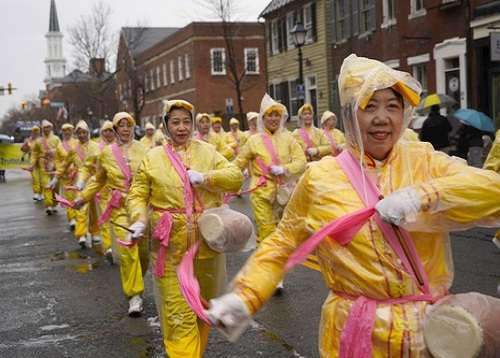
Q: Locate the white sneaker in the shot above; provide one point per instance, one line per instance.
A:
(49, 210)
(96, 240)
(82, 241)
(108, 255)
(88, 241)
(496, 242)
(72, 224)
(135, 306)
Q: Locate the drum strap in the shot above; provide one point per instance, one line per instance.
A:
(332, 141)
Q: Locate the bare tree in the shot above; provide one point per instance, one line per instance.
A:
(93, 45)
(224, 10)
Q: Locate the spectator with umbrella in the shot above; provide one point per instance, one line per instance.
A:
(435, 130)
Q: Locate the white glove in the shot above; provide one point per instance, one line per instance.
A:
(230, 315)
(246, 173)
(276, 170)
(53, 182)
(312, 151)
(78, 203)
(400, 204)
(195, 177)
(80, 184)
(138, 227)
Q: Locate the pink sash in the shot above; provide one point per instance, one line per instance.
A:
(78, 151)
(123, 166)
(113, 203)
(200, 138)
(66, 146)
(305, 137)
(164, 226)
(332, 141)
(356, 337)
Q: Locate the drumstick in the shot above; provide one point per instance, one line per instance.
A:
(123, 227)
(406, 250)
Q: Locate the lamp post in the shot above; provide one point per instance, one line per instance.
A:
(299, 38)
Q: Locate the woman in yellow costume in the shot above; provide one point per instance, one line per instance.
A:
(106, 136)
(87, 232)
(312, 139)
(492, 162)
(35, 172)
(205, 134)
(68, 178)
(335, 137)
(276, 158)
(252, 127)
(118, 164)
(43, 154)
(149, 137)
(235, 135)
(172, 187)
(377, 303)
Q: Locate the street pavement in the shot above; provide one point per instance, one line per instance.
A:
(61, 301)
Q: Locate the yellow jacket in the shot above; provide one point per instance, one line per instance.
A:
(493, 159)
(220, 144)
(158, 186)
(288, 151)
(148, 141)
(338, 136)
(44, 151)
(318, 141)
(109, 172)
(62, 152)
(91, 162)
(368, 266)
(74, 159)
(410, 135)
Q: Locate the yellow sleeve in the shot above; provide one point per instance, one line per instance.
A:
(493, 159)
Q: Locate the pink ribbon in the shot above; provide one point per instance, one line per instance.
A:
(332, 141)
(162, 233)
(188, 284)
(305, 137)
(64, 203)
(114, 202)
(341, 229)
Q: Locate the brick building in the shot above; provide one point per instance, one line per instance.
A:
(445, 44)
(201, 63)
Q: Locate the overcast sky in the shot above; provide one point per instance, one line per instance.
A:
(24, 24)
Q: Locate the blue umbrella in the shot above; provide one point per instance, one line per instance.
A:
(475, 119)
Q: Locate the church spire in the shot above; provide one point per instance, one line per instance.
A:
(55, 63)
(54, 22)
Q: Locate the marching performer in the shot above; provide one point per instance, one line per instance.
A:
(334, 135)
(149, 137)
(205, 134)
(312, 139)
(27, 149)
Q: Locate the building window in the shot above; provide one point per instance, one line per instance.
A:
(165, 79)
(152, 79)
(420, 74)
(340, 21)
(252, 61)
(389, 12)
(180, 66)
(364, 16)
(416, 9)
(274, 37)
(172, 72)
(290, 23)
(158, 77)
(218, 59)
(146, 87)
(186, 63)
(307, 15)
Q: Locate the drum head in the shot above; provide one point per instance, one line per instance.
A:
(451, 331)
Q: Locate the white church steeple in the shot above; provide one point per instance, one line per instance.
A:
(55, 63)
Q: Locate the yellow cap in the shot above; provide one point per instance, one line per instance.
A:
(66, 126)
(199, 116)
(82, 125)
(216, 119)
(121, 115)
(35, 129)
(326, 115)
(305, 107)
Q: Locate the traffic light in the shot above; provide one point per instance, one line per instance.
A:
(46, 102)
(9, 88)
(23, 103)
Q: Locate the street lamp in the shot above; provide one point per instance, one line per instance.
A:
(299, 38)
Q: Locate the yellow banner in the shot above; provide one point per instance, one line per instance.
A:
(11, 156)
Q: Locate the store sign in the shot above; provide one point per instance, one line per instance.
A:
(495, 46)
